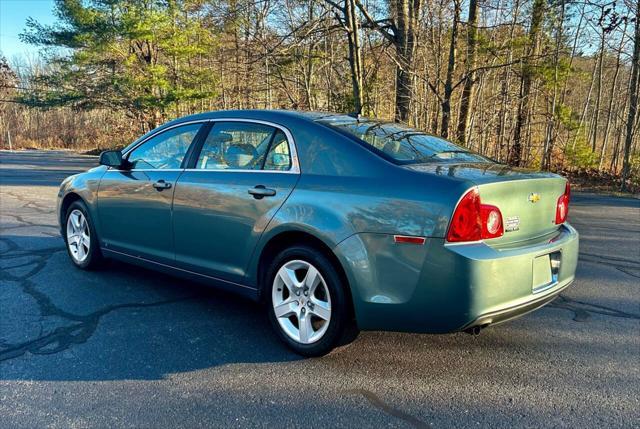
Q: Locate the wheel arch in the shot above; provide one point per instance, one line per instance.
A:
(68, 199)
(290, 238)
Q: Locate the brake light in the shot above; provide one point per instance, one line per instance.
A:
(562, 206)
(473, 221)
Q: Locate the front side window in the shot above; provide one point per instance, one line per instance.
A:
(402, 144)
(166, 150)
(241, 146)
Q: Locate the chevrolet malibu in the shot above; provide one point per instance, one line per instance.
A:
(337, 223)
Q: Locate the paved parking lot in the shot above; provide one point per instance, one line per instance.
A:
(126, 347)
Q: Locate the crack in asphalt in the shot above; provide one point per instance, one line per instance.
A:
(582, 310)
(609, 228)
(63, 337)
(624, 270)
(601, 258)
(41, 256)
(621, 264)
(377, 402)
(31, 204)
(24, 223)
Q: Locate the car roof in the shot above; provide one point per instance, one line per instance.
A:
(253, 113)
(284, 117)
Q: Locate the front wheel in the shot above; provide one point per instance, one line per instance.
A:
(309, 308)
(80, 237)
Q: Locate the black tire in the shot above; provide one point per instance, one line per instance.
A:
(341, 329)
(94, 257)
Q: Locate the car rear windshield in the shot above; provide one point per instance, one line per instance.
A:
(399, 143)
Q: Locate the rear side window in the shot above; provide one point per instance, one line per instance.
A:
(244, 146)
(278, 158)
(165, 150)
(400, 143)
(235, 146)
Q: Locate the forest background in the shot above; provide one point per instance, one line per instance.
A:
(547, 84)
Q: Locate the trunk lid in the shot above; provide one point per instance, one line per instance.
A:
(526, 199)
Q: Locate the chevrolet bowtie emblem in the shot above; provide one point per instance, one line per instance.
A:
(534, 198)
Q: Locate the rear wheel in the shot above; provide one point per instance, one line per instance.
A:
(309, 308)
(80, 237)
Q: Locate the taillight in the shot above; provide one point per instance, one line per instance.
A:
(473, 221)
(562, 206)
(491, 220)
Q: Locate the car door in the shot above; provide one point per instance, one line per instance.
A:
(134, 204)
(236, 181)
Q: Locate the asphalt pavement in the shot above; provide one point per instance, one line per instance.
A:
(127, 347)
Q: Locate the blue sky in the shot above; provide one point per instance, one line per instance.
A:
(13, 15)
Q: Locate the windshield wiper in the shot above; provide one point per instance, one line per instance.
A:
(445, 151)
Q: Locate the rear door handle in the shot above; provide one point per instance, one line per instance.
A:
(259, 192)
(161, 184)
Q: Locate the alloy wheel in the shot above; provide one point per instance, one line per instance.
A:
(301, 301)
(78, 236)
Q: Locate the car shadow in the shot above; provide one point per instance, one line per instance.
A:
(119, 322)
(123, 322)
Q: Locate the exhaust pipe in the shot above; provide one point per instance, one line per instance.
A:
(475, 330)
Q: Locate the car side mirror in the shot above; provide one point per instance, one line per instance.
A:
(112, 158)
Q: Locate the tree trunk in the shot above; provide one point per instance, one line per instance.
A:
(467, 92)
(633, 103)
(406, 21)
(451, 68)
(522, 119)
(404, 39)
(596, 119)
(504, 91)
(583, 115)
(613, 168)
(612, 93)
(551, 123)
(355, 54)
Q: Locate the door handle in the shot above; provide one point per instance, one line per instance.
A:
(161, 184)
(259, 192)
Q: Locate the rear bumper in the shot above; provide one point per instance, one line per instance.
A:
(440, 288)
(506, 314)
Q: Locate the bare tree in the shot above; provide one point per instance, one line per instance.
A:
(633, 102)
(524, 112)
(350, 22)
(532, 82)
(612, 97)
(470, 78)
(451, 68)
(401, 30)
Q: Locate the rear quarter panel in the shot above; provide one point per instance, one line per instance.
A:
(345, 190)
